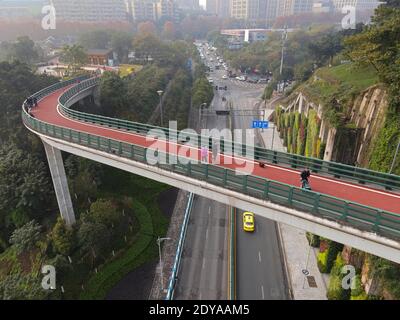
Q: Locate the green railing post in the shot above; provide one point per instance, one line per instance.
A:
(89, 140)
(225, 176)
(266, 189)
(109, 145)
(377, 223)
(79, 137)
(245, 181)
(345, 211)
(290, 198)
(70, 135)
(98, 143)
(120, 148)
(206, 171)
(132, 152)
(189, 168)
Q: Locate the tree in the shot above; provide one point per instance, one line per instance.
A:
(147, 28)
(62, 237)
(93, 238)
(121, 43)
(75, 56)
(97, 39)
(20, 286)
(169, 31)
(113, 94)
(104, 212)
(24, 50)
(25, 238)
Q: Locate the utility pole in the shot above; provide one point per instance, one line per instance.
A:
(395, 157)
(160, 93)
(284, 38)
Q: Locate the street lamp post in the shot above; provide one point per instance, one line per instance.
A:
(159, 240)
(160, 93)
(395, 157)
(202, 106)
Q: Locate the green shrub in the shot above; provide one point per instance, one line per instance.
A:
(358, 292)
(334, 249)
(313, 239)
(322, 259)
(335, 288)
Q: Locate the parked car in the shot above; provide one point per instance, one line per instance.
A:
(241, 78)
(263, 80)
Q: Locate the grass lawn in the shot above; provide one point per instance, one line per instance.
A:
(341, 82)
(143, 249)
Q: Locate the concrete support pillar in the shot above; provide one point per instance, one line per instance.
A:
(60, 184)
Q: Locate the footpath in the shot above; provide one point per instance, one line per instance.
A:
(305, 280)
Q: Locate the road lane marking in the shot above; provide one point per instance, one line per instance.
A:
(259, 256)
(207, 234)
(262, 292)
(204, 263)
(209, 210)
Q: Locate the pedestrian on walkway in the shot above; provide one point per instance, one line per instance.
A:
(204, 154)
(215, 148)
(35, 102)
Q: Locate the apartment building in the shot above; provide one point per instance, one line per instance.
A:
(91, 10)
(292, 7)
(358, 4)
(153, 10)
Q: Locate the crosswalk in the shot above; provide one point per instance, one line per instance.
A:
(245, 84)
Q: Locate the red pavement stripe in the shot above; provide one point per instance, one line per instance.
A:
(47, 112)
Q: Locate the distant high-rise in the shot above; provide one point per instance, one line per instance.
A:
(271, 9)
(188, 4)
(292, 7)
(358, 4)
(143, 10)
(246, 9)
(90, 10)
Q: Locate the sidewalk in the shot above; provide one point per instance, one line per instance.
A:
(297, 252)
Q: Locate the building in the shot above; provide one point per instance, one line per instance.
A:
(100, 57)
(271, 8)
(91, 10)
(188, 4)
(360, 5)
(322, 6)
(293, 7)
(167, 8)
(143, 10)
(246, 9)
(153, 10)
(239, 36)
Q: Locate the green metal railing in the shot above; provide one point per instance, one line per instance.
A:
(356, 215)
(352, 214)
(333, 169)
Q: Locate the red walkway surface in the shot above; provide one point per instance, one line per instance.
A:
(47, 111)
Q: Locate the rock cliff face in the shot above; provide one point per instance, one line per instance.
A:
(352, 142)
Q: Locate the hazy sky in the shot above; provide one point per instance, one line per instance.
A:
(203, 3)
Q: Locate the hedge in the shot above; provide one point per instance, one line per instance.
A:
(99, 284)
(335, 288)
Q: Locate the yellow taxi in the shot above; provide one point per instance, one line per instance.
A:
(248, 221)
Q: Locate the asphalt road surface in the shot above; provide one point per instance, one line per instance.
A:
(204, 267)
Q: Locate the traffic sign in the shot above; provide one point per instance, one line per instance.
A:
(257, 124)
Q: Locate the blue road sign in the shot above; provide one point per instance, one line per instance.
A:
(257, 124)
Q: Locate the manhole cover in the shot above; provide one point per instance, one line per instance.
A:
(305, 272)
(311, 282)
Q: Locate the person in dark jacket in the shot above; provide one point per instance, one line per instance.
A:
(305, 174)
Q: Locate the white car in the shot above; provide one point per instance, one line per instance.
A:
(241, 78)
(224, 77)
(210, 80)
